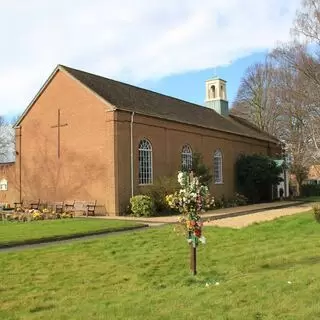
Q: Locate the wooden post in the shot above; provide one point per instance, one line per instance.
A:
(193, 259)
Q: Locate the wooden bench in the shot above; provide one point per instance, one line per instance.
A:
(69, 206)
(34, 204)
(91, 208)
(58, 206)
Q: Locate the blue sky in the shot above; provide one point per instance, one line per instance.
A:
(168, 46)
(191, 86)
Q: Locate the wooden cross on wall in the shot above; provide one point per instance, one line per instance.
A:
(58, 126)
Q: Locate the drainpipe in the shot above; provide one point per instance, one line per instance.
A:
(131, 151)
(19, 154)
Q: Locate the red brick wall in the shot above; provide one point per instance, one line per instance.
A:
(167, 140)
(7, 172)
(84, 170)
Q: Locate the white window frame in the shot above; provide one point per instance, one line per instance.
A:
(3, 185)
(186, 157)
(218, 167)
(145, 173)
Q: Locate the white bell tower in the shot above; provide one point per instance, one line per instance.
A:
(216, 96)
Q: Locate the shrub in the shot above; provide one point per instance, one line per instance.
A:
(256, 174)
(200, 170)
(236, 201)
(159, 190)
(316, 212)
(310, 190)
(223, 202)
(142, 206)
(240, 199)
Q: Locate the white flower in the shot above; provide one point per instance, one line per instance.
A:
(289, 282)
(202, 240)
(217, 283)
(207, 284)
(181, 178)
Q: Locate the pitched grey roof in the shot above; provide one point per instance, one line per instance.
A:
(127, 97)
(130, 98)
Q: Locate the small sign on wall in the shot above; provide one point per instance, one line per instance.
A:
(3, 185)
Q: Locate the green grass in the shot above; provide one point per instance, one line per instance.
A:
(19, 232)
(310, 199)
(144, 275)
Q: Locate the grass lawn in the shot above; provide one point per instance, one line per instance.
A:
(310, 199)
(265, 271)
(19, 232)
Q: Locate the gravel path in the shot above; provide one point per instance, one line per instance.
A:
(245, 220)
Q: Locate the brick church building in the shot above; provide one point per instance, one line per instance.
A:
(86, 137)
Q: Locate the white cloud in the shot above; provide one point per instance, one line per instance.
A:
(129, 40)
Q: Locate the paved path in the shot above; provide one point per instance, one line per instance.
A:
(213, 214)
(245, 220)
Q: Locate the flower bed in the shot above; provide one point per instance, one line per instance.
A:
(26, 215)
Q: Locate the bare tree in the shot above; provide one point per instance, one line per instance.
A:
(6, 141)
(307, 22)
(299, 89)
(256, 100)
(282, 95)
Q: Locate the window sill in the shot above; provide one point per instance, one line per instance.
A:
(219, 183)
(145, 184)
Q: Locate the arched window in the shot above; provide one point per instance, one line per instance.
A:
(213, 92)
(145, 162)
(3, 185)
(217, 167)
(186, 158)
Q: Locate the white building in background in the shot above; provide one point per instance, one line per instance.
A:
(284, 184)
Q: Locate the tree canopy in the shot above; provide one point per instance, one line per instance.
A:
(255, 176)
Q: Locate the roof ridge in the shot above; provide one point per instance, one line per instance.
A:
(136, 87)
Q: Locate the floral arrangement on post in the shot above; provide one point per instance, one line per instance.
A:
(192, 199)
